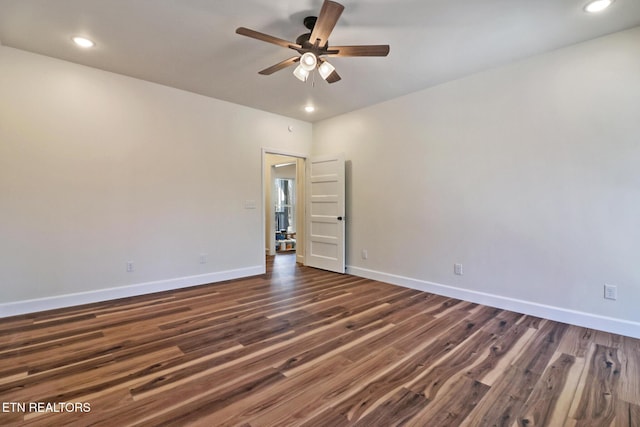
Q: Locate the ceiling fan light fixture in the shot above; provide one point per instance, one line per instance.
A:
(597, 6)
(301, 73)
(311, 54)
(325, 69)
(308, 61)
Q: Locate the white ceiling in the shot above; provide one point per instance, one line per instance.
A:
(192, 45)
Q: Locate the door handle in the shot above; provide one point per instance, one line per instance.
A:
(339, 218)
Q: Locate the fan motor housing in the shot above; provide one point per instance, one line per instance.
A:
(303, 39)
(310, 22)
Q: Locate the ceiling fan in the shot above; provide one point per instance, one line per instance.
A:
(314, 46)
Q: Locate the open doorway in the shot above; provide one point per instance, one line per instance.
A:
(283, 198)
(284, 205)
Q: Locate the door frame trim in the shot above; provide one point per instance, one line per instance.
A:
(263, 228)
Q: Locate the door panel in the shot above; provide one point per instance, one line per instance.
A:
(325, 213)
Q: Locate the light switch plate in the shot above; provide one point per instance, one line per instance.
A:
(610, 292)
(457, 269)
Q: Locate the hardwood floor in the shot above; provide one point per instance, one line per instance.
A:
(300, 346)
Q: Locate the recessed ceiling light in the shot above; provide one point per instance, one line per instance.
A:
(597, 6)
(309, 108)
(83, 42)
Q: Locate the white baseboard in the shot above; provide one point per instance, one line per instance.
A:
(69, 300)
(559, 314)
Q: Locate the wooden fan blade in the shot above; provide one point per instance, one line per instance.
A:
(333, 77)
(279, 66)
(327, 19)
(366, 50)
(266, 38)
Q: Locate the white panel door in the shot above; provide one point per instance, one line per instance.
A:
(325, 213)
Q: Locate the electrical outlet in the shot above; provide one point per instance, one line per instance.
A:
(129, 266)
(457, 269)
(365, 254)
(610, 292)
(203, 258)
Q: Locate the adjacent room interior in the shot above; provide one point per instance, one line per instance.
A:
(156, 245)
(284, 205)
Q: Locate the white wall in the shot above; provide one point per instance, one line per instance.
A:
(97, 169)
(526, 174)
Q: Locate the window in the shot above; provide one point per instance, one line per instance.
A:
(285, 205)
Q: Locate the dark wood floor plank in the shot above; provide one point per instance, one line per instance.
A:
(539, 408)
(24, 355)
(266, 405)
(104, 374)
(271, 354)
(545, 343)
(85, 327)
(453, 405)
(598, 398)
(505, 401)
(313, 398)
(165, 411)
(627, 414)
(419, 358)
(468, 355)
(629, 355)
(397, 410)
(532, 322)
(388, 338)
(501, 354)
(576, 341)
(300, 346)
(227, 308)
